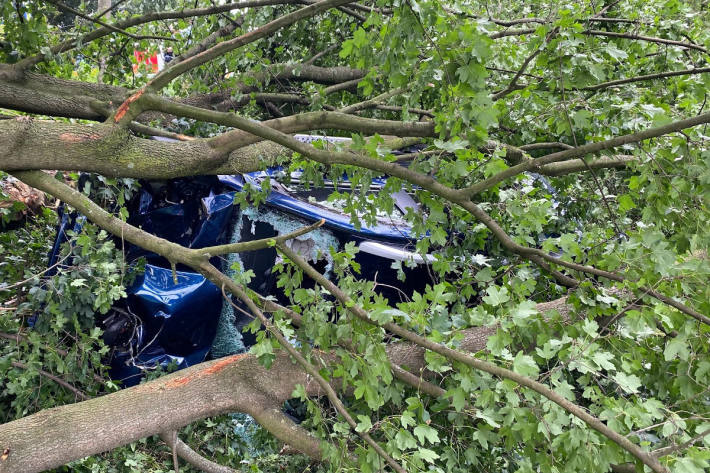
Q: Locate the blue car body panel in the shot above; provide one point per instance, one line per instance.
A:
(309, 211)
(162, 322)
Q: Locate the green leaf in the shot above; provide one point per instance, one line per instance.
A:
(364, 424)
(603, 360)
(628, 382)
(385, 315)
(451, 146)
(522, 312)
(427, 455)
(626, 203)
(423, 432)
(407, 419)
(458, 398)
(496, 296)
(676, 347)
(690, 465)
(525, 365)
(499, 342)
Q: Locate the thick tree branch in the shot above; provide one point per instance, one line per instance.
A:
(584, 150)
(239, 383)
(306, 121)
(577, 165)
(114, 152)
(108, 150)
(45, 95)
(194, 458)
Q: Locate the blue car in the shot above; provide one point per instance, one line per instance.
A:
(162, 323)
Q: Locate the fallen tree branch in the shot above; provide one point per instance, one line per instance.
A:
(51, 438)
(584, 150)
(252, 245)
(662, 75)
(371, 102)
(45, 95)
(476, 363)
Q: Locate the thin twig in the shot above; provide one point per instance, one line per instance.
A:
(35, 276)
(662, 452)
(258, 244)
(65, 7)
(662, 75)
(110, 8)
(78, 392)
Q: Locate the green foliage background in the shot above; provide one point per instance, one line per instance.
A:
(644, 369)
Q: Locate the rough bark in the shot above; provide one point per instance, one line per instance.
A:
(47, 95)
(56, 436)
(112, 151)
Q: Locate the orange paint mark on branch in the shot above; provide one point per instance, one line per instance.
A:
(123, 108)
(223, 363)
(212, 369)
(177, 382)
